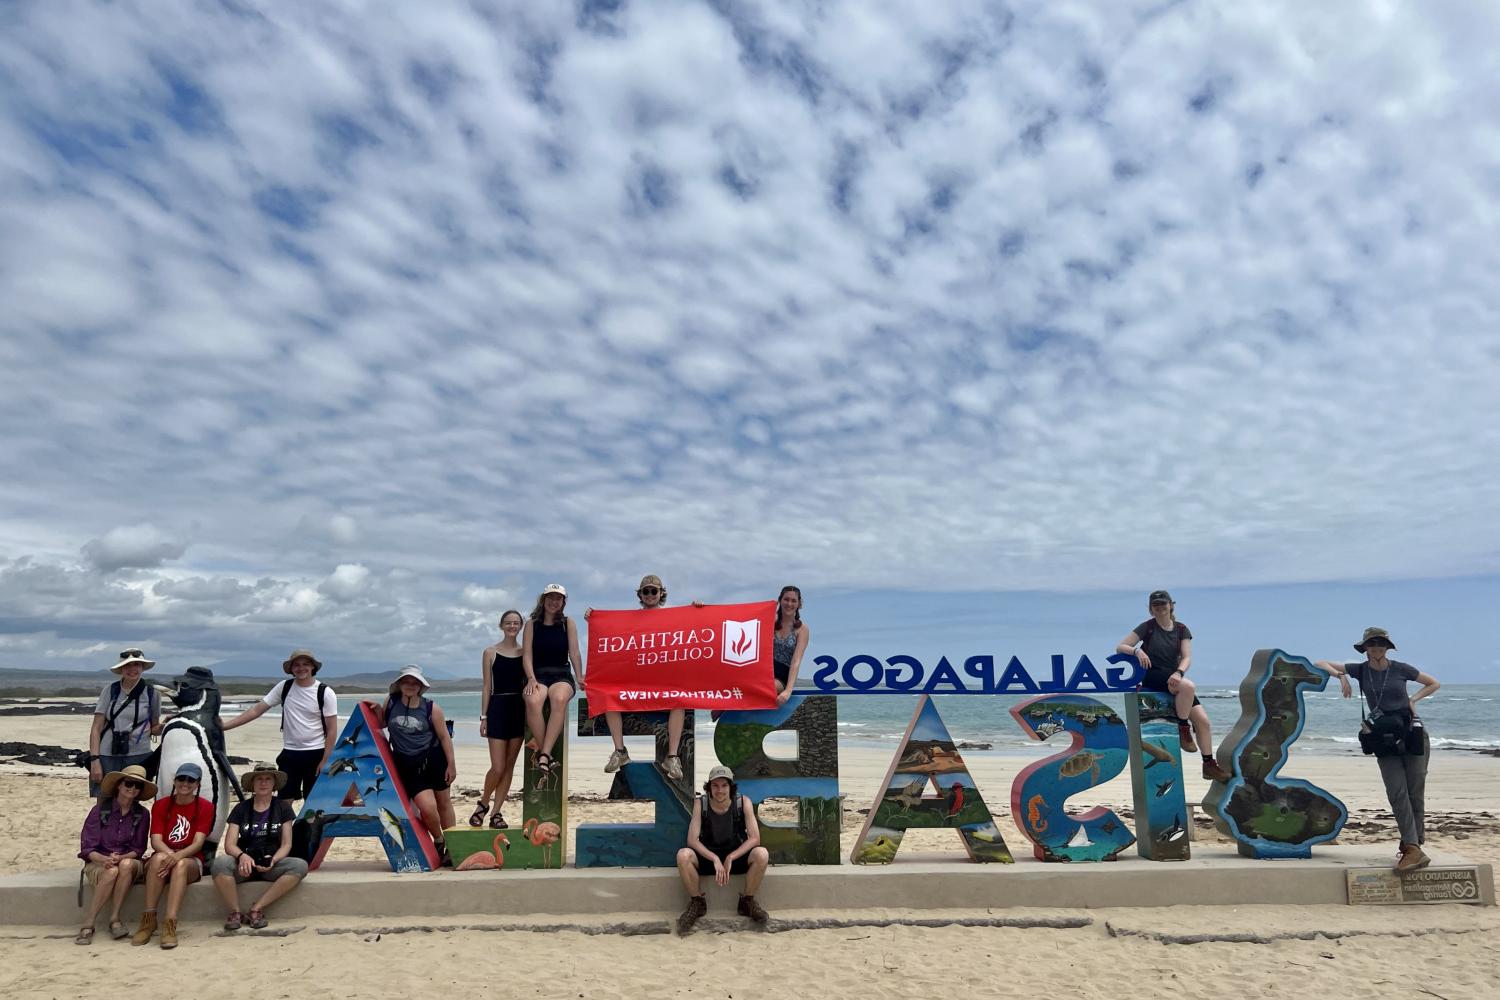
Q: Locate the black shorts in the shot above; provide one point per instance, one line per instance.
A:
(548, 676)
(505, 717)
(422, 773)
(738, 866)
(301, 768)
(1156, 680)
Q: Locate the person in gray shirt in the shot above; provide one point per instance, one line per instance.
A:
(127, 715)
(1382, 683)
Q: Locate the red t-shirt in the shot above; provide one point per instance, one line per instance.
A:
(178, 825)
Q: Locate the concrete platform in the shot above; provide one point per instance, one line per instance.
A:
(1215, 876)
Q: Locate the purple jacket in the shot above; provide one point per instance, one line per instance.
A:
(116, 834)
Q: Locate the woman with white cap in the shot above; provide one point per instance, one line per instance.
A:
(422, 751)
(112, 843)
(127, 716)
(1395, 735)
(549, 648)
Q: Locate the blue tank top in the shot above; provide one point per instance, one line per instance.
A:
(410, 728)
(782, 649)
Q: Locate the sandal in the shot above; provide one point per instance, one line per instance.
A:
(85, 936)
(233, 921)
(543, 762)
(255, 919)
(477, 819)
(497, 821)
(118, 931)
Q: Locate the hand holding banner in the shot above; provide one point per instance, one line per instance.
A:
(715, 656)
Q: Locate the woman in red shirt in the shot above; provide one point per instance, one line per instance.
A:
(180, 823)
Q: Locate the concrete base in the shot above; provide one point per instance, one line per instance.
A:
(1215, 876)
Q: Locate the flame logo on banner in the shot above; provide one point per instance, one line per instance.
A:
(741, 642)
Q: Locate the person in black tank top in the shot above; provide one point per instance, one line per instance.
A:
(502, 719)
(1164, 647)
(549, 648)
(723, 840)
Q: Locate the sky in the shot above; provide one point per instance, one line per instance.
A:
(350, 325)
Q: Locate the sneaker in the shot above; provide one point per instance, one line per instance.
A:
(146, 929)
(169, 933)
(750, 908)
(1413, 859)
(1214, 771)
(673, 766)
(1185, 737)
(617, 760)
(696, 908)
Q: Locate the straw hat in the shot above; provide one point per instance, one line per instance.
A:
(128, 656)
(247, 780)
(410, 670)
(135, 771)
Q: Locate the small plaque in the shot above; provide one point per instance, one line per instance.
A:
(1376, 886)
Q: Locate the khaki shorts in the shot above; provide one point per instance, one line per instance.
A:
(92, 869)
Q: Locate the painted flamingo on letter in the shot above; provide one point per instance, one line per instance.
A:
(542, 835)
(482, 861)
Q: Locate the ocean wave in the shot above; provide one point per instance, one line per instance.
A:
(1443, 743)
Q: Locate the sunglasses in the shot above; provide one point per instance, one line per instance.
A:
(132, 784)
(649, 591)
(131, 654)
(185, 780)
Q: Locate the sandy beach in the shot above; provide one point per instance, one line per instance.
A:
(1334, 951)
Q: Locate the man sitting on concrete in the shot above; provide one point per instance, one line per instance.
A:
(723, 839)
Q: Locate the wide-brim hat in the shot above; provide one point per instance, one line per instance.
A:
(1373, 633)
(298, 654)
(137, 772)
(720, 772)
(129, 656)
(247, 779)
(410, 670)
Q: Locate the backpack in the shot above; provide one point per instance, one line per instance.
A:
(736, 811)
(286, 689)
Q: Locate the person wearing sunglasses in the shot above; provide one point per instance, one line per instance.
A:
(1393, 713)
(127, 715)
(180, 823)
(652, 593)
(112, 844)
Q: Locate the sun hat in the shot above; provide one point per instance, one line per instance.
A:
(128, 656)
(247, 780)
(719, 772)
(1373, 633)
(1157, 596)
(554, 588)
(134, 772)
(187, 769)
(410, 670)
(298, 654)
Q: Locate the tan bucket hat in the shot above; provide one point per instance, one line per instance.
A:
(134, 771)
(298, 654)
(128, 656)
(248, 778)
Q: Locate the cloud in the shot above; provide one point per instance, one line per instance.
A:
(395, 316)
(134, 546)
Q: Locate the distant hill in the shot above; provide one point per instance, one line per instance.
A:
(22, 683)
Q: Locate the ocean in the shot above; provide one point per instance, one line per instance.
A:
(1459, 717)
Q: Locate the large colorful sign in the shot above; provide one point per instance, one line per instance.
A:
(928, 785)
(714, 656)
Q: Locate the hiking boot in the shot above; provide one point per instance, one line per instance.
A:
(617, 760)
(673, 766)
(1214, 771)
(1413, 859)
(169, 933)
(696, 908)
(750, 908)
(146, 929)
(1185, 738)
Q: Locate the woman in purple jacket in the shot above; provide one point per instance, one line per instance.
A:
(112, 843)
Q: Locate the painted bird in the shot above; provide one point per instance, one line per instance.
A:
(955, 799)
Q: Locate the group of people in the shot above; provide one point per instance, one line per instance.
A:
(527, 681)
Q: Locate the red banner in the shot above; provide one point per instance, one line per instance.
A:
(717, 657)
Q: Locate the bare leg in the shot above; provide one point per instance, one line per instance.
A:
(123, 882)
(427, 808)
(1183, 696)
(154, 882)
(103, 889)
(558, 696)
(178, 886)
(1199, 718)
(228, 892)
(687, 869)
(616, 727)
(535, 697)
(674, 731)
(510, 750)
(445, 808)
(497, 766)
(760, 859)
(279, 888)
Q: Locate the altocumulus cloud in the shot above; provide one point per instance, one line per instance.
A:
(351, 327)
